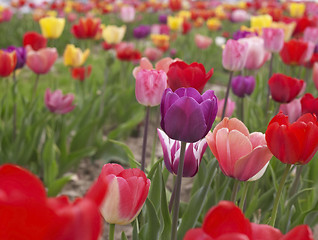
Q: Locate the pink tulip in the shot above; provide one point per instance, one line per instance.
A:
(234, 55)
(58, 103)
(256, 53)
(273, 39)
(229, 108)
(153, 54)
(292, 110)
(150, 85)
(239, 15)
(311, 35)
(127, 13)
(127, 193)
(241, 155)
(162, 64)
(202, 42)
(315, 75)
(308, 54)
(41, 61)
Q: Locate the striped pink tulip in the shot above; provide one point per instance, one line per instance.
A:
(41, 61)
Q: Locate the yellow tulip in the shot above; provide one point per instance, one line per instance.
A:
(113, 34)
(219, 12)
(261, 21)
(184, 14)
(297, 10)
(175, 23)
(74, 57)
(52, 27)
(51, 13)
(160, 40)
(288, 28)
(213, 24)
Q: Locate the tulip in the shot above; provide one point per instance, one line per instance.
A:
(311, 35)
(127, 13)
(160, 29)
(52, 27)
(261, 21)
(242, 85)
(186, 115)
(171, 154)
(309, 104)
(202, 42)
(35, 40)
(297, 10)
(74, 57)
(142, 31)
(226, 221)
(294, 52)
(241, 155)
(294, 143)
(186, 27)
(243, 34)
(20, 54)
(160, 41)
(163, 19)
(256, 53)
(163, 65)
(40, 62)
(214, 24)
(239, 15)
(181, 74)
(230, 107)
(175, 5)
(113, 34)
(8, 62)
(5, 15)
(273, 39)
(315, 75)
(81, 73)
(174, 23)
(234, 55)
(287, 27)
(127, 52)
(26, 212)
(284, 88)
(292, 109)
(150, 85)
(86, 28)
(153, 54)
(128, 190)
(58, 103)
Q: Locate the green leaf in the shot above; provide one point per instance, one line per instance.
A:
(123, 236)
(57, 186)
(165, 219)
(83, 136)
(156, 185)
(152, 228)
(135, 235)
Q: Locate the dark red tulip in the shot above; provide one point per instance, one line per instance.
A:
(181, 74)
(309, 104)
(127, 52)
(293, 143)
(86, 28)
(35, 40)
(294, 52)
(186, 27)
(81, 73)
(284, 88)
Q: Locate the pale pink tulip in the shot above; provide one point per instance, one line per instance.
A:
(229, 108)
(58, 103)
(41, 61)
(202, 42)
(241, 155)
(311, 35)
(153, 54)
(127, 13)
(315, 75)
(239, 15)
(309, 52)
(162, 64)
(234, 55)
(292, 110)
(150, 85)
(273, 39)
(256, 53)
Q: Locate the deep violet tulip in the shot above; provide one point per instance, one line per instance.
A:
(142, 31)
(243, 85)
(186, 115)
(21, 55)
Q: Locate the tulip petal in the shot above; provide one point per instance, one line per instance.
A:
(301, 232)
(165, 144)
(196, 234)
(210, 138)
(263, 231)
(257, 139)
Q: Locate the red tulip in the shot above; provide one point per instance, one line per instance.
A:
(294, 143)
(309, 104)
(181, 74)
(81, 73)
(186, 27)
(26, 212)
(40, 62)
(86, 28)
(35, 40)
(175, 5)
(294, 52)
(8, 61)
(127, 52)
(284, 88)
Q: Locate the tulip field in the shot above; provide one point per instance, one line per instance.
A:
(167, 120)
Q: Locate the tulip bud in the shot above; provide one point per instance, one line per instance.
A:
(242, 86)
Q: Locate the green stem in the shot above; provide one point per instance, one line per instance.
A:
(111, 233)
(14, 119)
(144, 143)
(242, 109)
(278, 194)
(245, 190)
(155, 139)
(270, 72)
(235, 190)
(227, 95)
(295, 184)
(178, 190)
(36, 85)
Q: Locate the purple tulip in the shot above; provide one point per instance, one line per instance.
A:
(142, 31)
(163, 19)
(242, 34)
(171, 154)
(58, 103)
(242, 85)
(21, 55)
(186, 115)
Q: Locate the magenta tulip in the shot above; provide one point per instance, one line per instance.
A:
(292, 110)
(315, 75)
(241, 155)
(58, 103)
(234, 55)
(230, 107)
(41, 61)
(150, 85)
